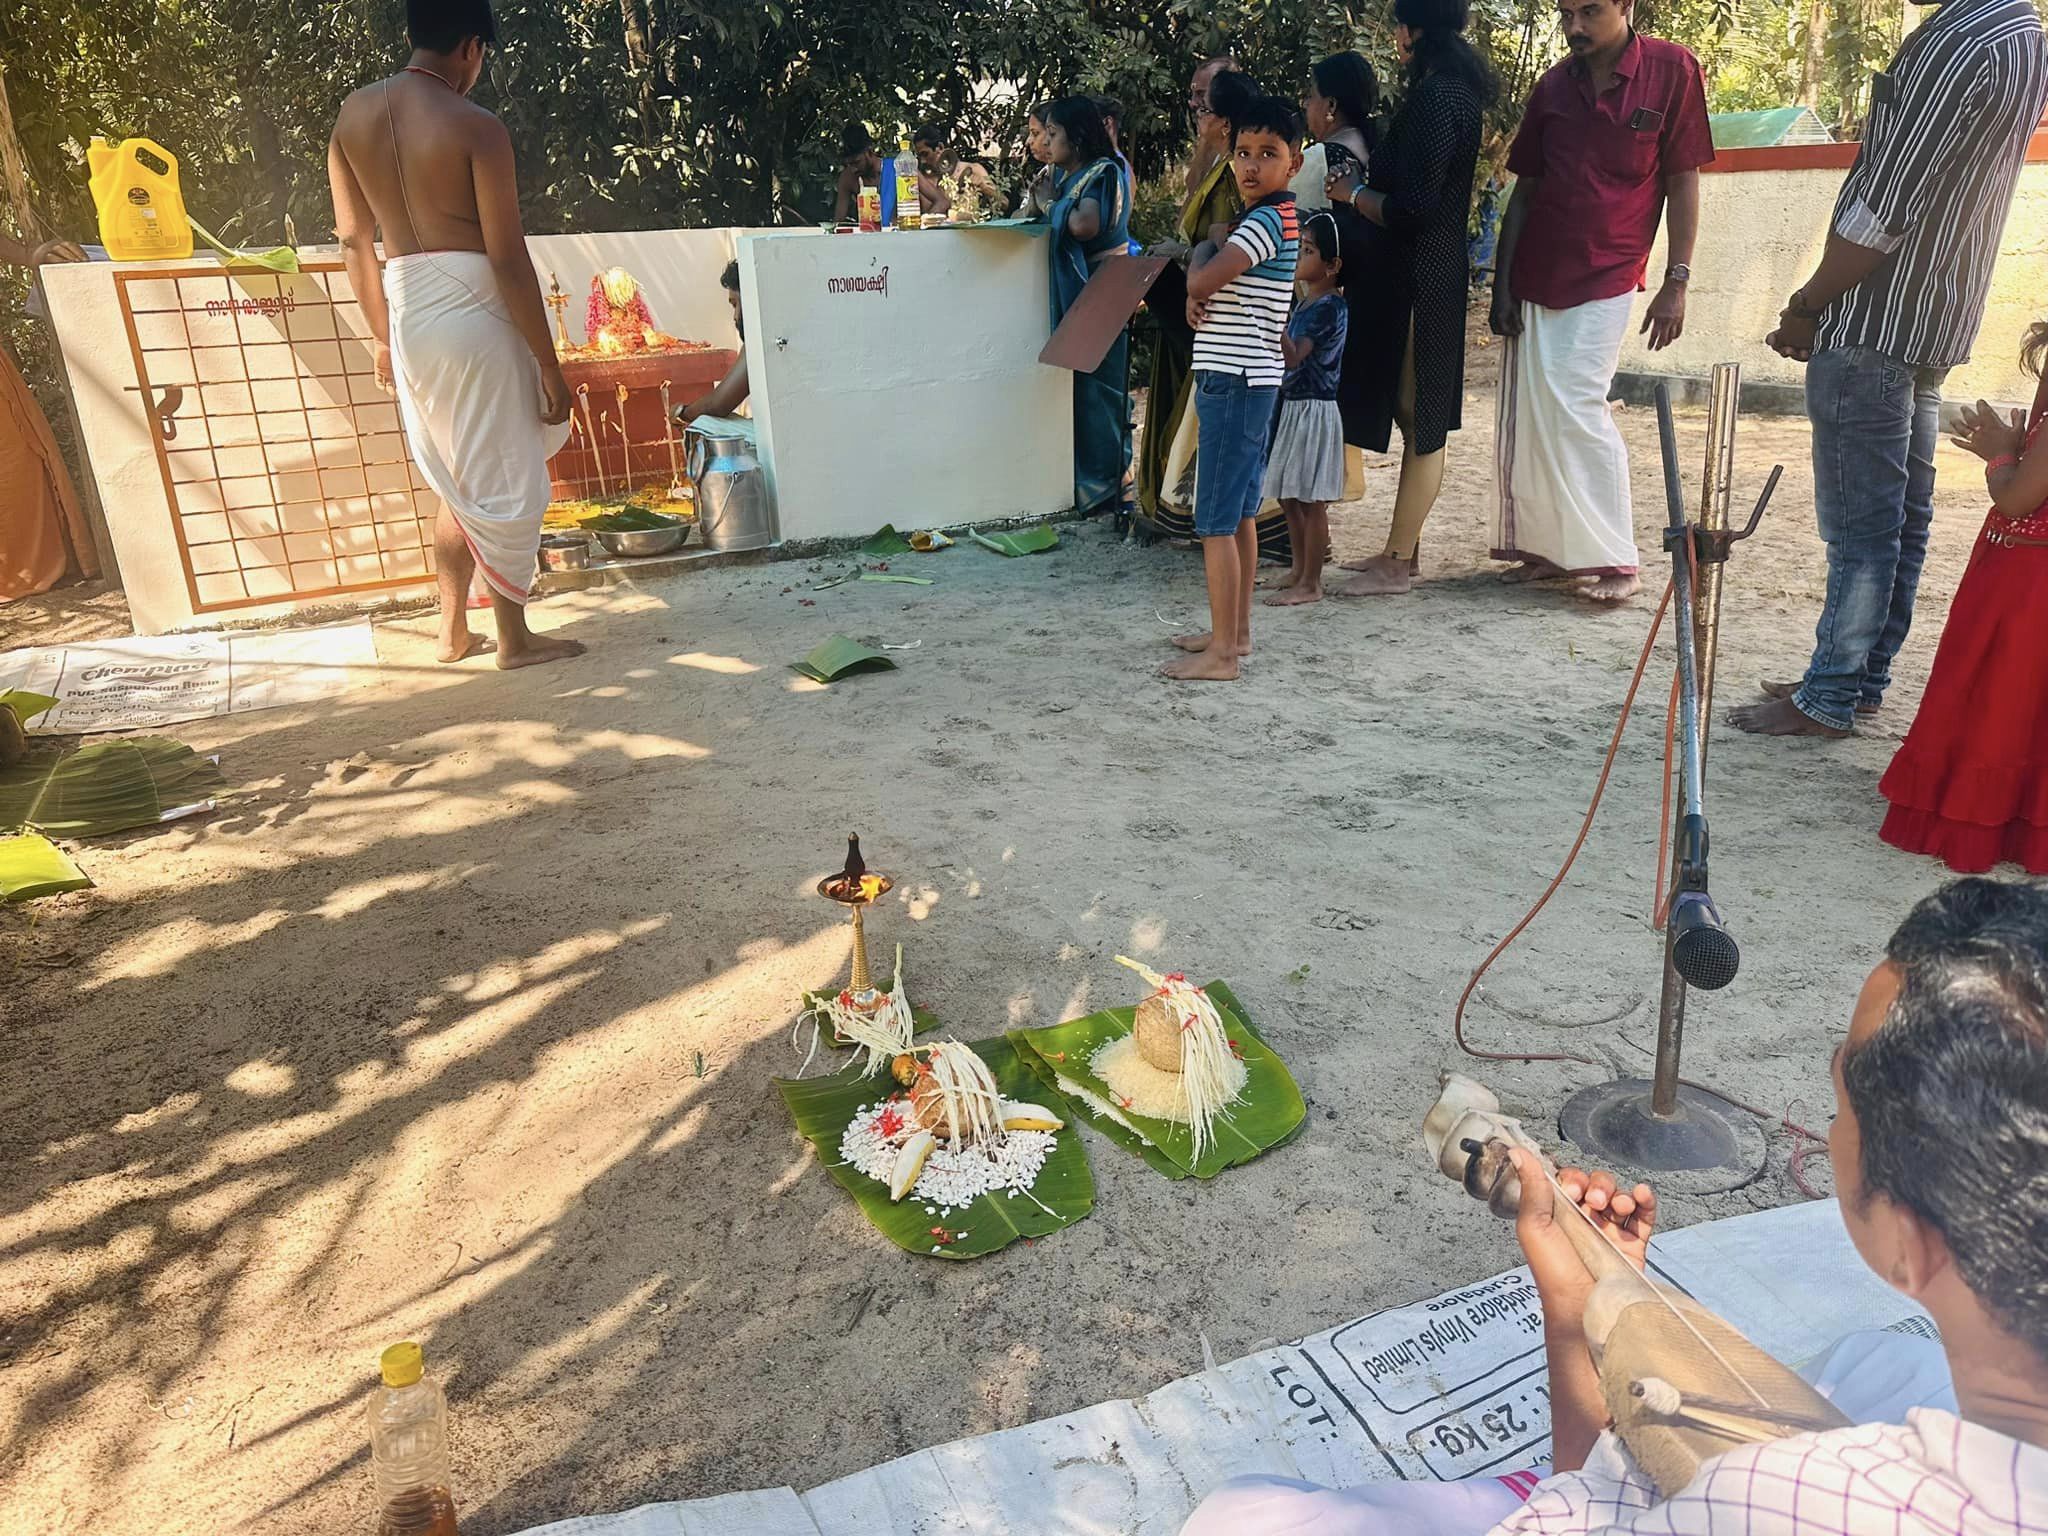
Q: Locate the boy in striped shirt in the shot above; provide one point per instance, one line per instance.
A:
(1239, 290)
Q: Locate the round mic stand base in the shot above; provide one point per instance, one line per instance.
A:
(1615, 1127)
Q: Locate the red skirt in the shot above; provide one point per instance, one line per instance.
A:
(1970, 784)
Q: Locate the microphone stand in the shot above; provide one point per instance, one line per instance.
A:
(1661, 1125)
(1689, 837)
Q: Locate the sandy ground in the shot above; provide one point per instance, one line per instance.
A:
(458, 1023)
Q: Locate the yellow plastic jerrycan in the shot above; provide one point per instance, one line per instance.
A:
(142, 212)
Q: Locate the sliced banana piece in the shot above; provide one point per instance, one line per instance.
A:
(910, 1163)
(1030, 1117)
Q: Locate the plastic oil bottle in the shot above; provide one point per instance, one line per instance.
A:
(141, 209)
(408, 1420)
(907, 216)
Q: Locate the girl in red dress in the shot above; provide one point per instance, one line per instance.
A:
(1970, 784)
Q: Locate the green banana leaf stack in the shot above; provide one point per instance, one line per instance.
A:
(104, 788)
(91, 791)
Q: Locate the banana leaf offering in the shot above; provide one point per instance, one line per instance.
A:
(1212, 1118)
(947, 1155)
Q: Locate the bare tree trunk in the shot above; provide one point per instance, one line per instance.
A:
(14, 172)
(267, 220)
(640, 55)
(1811, 64)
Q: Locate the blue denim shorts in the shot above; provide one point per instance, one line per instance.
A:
(1234, 421)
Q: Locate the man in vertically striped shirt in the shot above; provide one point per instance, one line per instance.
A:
(1894, 305)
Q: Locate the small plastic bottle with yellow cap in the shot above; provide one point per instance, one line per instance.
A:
(408, 1420)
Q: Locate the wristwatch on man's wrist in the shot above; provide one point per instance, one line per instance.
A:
(1678, 272)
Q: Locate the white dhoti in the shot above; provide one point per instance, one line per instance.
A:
(469, 393)
(1560, 482)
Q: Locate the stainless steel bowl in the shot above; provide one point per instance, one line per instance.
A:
(644, 541)
(564, 552)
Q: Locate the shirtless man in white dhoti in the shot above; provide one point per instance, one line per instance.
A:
(462, 335)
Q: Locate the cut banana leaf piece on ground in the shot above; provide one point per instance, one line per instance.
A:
(838, 656)
(1024, 541)
(108, 787)
(886, 542)
(1063, 1193)
(1268, 1113)
(32, 866)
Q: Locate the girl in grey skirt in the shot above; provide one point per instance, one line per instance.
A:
(1305, 469)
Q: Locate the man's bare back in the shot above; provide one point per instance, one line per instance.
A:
(413, 159)
(440, 132)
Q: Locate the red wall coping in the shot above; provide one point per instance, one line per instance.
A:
(1820, 157)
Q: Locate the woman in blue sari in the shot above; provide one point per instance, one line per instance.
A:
(1090, 222)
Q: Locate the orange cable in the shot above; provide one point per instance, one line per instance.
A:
(1585, 828)
(1808, 1141)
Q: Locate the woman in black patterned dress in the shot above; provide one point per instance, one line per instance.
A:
(1405, 361)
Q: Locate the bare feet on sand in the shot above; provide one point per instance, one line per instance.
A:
(1610, 589)
(1294, 597)
(1531, 570)
(1277, 581)
(1381, 576)
(1197, 644)
(460, 647)
(538, 652)
(1202, 667)
(1374, 562)
(1785, 691)
(1780, 717)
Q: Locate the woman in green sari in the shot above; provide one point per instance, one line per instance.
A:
(1166, 467)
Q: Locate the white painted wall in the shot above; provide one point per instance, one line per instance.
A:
(1761, 234)
(921, 404)
(86, 317)
(678, 268)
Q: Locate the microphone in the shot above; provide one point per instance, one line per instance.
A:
(1703, 951)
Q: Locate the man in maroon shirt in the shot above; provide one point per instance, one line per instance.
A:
(1611, 136)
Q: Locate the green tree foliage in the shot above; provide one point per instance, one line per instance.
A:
(644, 113)
(624, 112)
(649, 112)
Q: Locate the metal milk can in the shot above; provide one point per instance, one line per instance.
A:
(733, 506)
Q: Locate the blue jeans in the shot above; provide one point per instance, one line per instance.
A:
(1234, 423)
(1876, 423)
